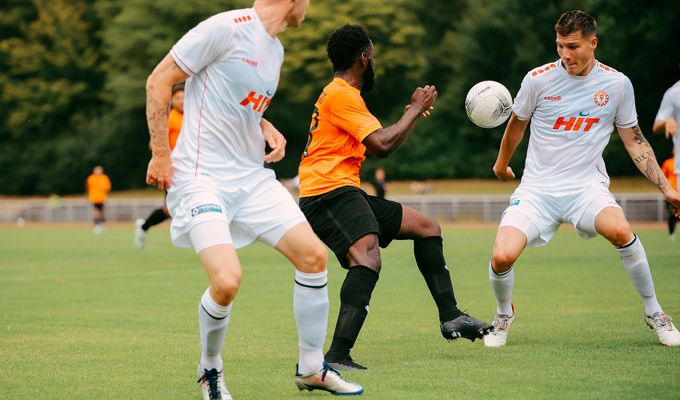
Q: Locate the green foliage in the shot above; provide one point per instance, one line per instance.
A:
(74, 72)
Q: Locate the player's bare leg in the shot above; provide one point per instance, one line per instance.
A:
(612, 224)
(310, 302)
(509, 245)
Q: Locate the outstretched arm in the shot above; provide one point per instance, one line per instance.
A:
(384, 141)
(514, 132)
(158, 94)
(642, 154)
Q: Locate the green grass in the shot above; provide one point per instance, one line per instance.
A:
(85, 316)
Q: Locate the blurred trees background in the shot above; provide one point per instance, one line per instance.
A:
(72, 75)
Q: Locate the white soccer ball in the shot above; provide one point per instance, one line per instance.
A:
(488, 104)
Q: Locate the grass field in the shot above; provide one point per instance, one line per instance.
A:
(85, 316)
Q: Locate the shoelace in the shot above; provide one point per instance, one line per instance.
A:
(212, 378)
(502, 323)
(662, 320)
(326, 369)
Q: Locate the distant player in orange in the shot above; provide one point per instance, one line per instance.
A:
(668, 169)
(354, 224)
(98, 187)
(160, 214)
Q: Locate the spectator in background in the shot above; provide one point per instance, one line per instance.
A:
(668, 169)
(98, 187)
(379, 182)
(666, 121)
(160, 214)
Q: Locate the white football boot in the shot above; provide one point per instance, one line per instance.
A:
(140, 234)
(667, 332)
(213, 386)
(499, 336)
(327, 379)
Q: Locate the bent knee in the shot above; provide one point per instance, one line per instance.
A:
(226, 285)
(503, 259)
(620, 234)
(314, 261)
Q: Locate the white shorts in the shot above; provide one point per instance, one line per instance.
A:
(539, 213)
(239, 213)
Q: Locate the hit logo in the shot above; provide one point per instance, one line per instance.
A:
(575, 123)
(260, 103)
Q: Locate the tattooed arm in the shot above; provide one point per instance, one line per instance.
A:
(158, 94)
(642, 154)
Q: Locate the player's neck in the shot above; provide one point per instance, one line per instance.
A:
(271, 17)
(589, 67)
(350, 78)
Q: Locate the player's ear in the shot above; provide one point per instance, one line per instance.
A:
(363, 59)
(593, 42)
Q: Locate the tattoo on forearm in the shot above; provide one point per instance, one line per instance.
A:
(157, 116)
(639, 137)
(646, 163)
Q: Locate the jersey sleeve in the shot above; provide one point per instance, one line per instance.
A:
(666, 108)
(626, 115)
(526, 99)
(348, 112)
(203, 44)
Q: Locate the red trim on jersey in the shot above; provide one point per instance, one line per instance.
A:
(181, 61)
(602, 173)
(200, 120)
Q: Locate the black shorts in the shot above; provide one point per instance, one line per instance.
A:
(98, 206)
(344, 215)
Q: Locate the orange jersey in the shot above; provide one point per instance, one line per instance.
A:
(98, 187)
(668, 169)
(174, 127)
(334, 151)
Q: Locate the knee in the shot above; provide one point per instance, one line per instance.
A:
(226, 286)
(429, 227)
(502, 259)
(314, 261)
(620, 234)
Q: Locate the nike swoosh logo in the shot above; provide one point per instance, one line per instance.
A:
(269, 93)
(583, 114)
(468, 322)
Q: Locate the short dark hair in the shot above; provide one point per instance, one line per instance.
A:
(177, 87)
(345, 44)
(576, 20)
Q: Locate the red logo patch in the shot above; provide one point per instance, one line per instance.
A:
(601, 98)
(552, 98)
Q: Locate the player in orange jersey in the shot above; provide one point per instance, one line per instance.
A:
(668, 169)
(352, 223)
(160, 214)
(98, 187)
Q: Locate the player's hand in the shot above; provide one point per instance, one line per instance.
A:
(673, 198)
(671, 128)
(423, 99)
(425, 114)
(159, 172)
(503, 173)
(275, 140)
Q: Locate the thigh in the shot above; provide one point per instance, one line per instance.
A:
(390, 216)
(191, 206)
(340, 218)
(266, 212)
(301, 246)
(533, 214)
(588, 205)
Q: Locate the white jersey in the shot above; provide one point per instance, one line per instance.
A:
(234, 67)
(572, 118)
(670, 108)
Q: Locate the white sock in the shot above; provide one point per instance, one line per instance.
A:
(636, 264)
(310, 304)
(213, 320)
(502, 284)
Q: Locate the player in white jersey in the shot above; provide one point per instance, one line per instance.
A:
(666, 121)
(219, 193)
(573, 105)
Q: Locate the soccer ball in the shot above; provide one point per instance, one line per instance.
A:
(488, 104)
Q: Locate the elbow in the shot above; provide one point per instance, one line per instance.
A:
(380, 151)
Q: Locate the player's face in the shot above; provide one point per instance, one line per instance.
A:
(177, 101)
(297, 13)
(577, 52)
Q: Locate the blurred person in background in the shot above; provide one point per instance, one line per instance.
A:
(98, 186)
(379, 182)
(668, 169)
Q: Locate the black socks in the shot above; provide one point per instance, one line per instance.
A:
(431, 263)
